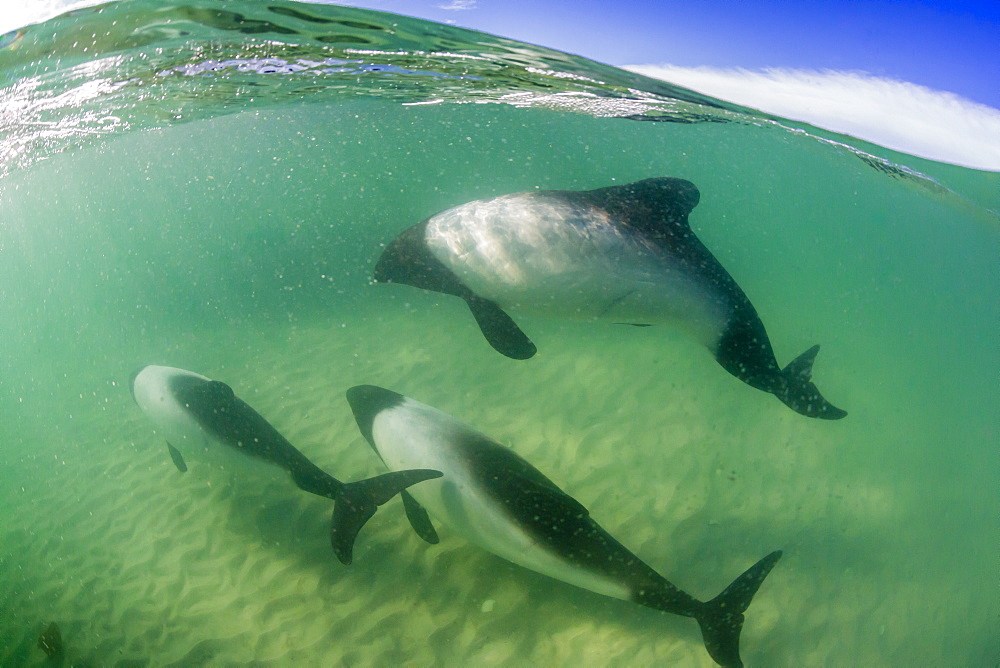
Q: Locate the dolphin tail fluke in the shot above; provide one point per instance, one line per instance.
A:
(800, 394)
(721, 619)
(356, 502)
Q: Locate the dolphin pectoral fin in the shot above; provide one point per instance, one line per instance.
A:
(800, 394)
(356, 502)
(721, 619)
(500, 330)
(177, 458)
(419, 519)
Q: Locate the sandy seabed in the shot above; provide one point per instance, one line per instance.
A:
(696, 473)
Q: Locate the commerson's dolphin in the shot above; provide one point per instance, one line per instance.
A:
(204, 417)
(623, 254)
(502, 503)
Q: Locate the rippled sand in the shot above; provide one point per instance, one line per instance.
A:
(696, 473)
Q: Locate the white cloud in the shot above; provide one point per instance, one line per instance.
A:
(895, 114)
(20, 14)
(459, 5)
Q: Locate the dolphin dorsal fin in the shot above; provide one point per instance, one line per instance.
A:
(517, 485)
(219, 391)
(546, 496)
(658, 207)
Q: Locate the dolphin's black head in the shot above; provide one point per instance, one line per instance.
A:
(408, 260)
(405, 259)
(367, 401)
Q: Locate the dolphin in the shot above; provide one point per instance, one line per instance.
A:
(624, 254)
(502, 503)
(192, 411)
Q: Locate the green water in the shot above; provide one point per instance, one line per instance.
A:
(238, 241)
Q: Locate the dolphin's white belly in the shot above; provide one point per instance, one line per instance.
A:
(551, 257)
(413, 435)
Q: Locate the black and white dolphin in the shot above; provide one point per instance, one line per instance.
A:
(193, 411)
(623, 254)
(502, 503)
